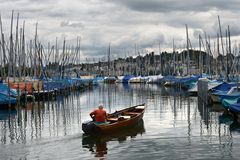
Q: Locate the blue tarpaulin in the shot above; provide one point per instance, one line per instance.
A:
(6, 90)
(224, 86)
(126, 78)
(235, 107)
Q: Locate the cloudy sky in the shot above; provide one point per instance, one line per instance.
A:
(124, 23)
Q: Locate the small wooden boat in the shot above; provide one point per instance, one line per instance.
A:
(117, 120)
(133, 131)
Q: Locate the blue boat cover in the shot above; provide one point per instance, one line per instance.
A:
(6, 90)
(96, 79)
(126, 78)
(229, 96)
(52, 85)
(224, 86)
(235, 107)
(228, 102)
(6, 99)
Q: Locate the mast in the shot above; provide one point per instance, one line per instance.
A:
(210, 55)
(188, 59)
(109, 65)
(218, 53)
(220, 30)
(20, 53)
(10, 62)
(174, 59)
(79, 50)
(23, 50)
(35, 52)
(200, 56)
(3, 50)
(160, 57)
(30, 59)
(229, 51)
(16, 51)
(63, 56)
(56, 62)
(137, 65)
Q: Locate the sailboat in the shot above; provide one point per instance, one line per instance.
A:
(109, 79)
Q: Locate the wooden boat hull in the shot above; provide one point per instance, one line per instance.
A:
(90, 127)
(120, 135)
(215, 98)
(121, 124)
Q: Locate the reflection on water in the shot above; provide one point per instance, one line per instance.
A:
(7, 114)
(40, 119)
(235, 126)
(176, 126)
(97, 144)
(226, 118)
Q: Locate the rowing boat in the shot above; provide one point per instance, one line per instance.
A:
(116, 121)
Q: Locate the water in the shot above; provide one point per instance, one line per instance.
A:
(175, 126)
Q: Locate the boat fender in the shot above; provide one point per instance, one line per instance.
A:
(88, 127)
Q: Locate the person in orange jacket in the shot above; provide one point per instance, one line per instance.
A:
(99, 115)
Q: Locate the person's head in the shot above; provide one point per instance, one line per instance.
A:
(100, 106)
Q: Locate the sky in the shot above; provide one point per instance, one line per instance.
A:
(123, 23)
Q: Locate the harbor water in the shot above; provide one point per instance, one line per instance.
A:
(175, 126)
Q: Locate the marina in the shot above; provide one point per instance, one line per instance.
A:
(174, 126)
(123, 79)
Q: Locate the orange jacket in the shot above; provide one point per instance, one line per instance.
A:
(99, 114)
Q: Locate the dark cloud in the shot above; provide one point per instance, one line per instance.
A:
(124, 23)
(178, 5)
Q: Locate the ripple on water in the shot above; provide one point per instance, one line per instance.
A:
(174, 126)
